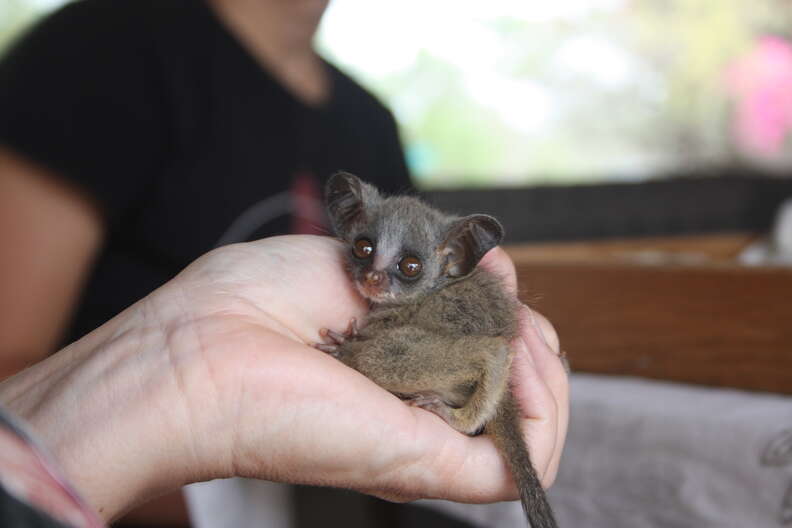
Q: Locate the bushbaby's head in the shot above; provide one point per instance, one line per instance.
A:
(400, 248)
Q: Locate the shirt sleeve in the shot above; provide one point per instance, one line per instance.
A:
(78, 94)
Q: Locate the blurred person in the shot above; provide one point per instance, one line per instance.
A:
(212, 375)
(135, 135)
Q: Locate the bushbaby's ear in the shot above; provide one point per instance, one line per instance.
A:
(468, 240)
(347, 198)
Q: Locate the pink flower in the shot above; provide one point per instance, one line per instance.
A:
(762, 82)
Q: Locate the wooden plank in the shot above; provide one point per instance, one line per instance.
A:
(693, 249)
(720, 325)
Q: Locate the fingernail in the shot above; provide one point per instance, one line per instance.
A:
(536, 326)
(523, 349)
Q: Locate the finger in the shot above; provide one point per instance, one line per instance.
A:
(497, 261)
(454, 466)
(543, 344)
(540, 411)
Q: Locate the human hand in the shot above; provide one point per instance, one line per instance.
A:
(539, 378)
(212, 376)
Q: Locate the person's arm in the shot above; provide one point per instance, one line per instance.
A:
(79, 111)
(212, 376)
(49, 233)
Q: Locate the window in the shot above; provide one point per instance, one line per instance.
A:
(512, 92)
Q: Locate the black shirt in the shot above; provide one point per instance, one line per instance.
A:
(158, 112)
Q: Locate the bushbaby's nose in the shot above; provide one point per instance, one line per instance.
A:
(374, 278)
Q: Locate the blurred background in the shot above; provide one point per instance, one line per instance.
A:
(639, 153)
(516, 93)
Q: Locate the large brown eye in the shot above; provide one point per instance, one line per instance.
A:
(410, 266)
(363, 248)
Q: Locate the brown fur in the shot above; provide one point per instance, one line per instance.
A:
(453, 343)
(440, 341)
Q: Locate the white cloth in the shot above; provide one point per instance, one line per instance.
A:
(643, 454)
(776, 249)
(639, 454)
(651, 454)
(239, 503)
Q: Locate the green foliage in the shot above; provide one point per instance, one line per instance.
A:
(633, 89)
(630, 88)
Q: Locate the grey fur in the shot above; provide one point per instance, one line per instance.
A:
(440, 340)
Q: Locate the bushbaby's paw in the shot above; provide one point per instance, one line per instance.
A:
(432, 403)
(333, 340)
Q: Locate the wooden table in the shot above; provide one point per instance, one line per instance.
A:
(678, 309)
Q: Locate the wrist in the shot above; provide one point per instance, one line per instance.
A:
(107, 407)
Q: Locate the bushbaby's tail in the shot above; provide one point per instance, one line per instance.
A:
(506, 431)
